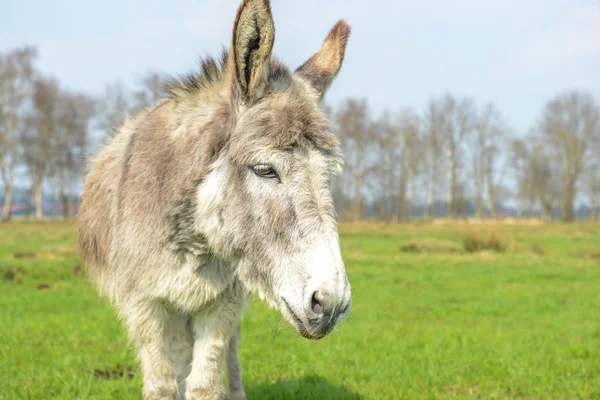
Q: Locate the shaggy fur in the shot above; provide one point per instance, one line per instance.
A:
(177, 228)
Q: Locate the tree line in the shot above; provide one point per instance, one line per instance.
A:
(48, 132)
(453, 158)
(456, 155)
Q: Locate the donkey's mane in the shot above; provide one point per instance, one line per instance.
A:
(211, 71)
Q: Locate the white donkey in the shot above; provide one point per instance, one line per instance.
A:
(220, 191)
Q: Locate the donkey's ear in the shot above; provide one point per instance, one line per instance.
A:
(253, 35)
(324, 65)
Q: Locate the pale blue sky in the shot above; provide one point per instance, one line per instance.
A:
(401, 53)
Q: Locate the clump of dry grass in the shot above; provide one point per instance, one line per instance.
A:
(430, 245)
(474, 241)
(538, 249)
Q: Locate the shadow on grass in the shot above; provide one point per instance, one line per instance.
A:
(308, 387)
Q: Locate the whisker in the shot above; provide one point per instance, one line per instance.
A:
(277, 326)
(332, 315)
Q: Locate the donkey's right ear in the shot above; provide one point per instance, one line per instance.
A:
(253, 36)
(324, 65)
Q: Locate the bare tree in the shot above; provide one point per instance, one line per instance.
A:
(570, 123)
(382, 174)
(410, 151)
(38, 140)
(391, 161)
(150, 88)
(593, 188)
(433, 145)
(352, 123)
(461, 198)
(485, 148)
(458, 121)
(16, 88)
(70, 144)
(544, 179)
(520, 160)
(340, 182)
(538, 175)
(113, 108)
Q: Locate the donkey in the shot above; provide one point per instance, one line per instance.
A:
(219, 191)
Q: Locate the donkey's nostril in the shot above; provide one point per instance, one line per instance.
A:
(316, 303)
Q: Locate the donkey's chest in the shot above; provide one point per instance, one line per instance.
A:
(197, 283)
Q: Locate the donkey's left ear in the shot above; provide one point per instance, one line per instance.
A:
(324, 65)
(253, 36)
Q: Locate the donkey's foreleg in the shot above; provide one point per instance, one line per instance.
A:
(212, 332)
(234, 371)
(150, 327)
(180, 342)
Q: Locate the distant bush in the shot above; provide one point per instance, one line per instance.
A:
(476, 241)
(495, 242)
(429, 245)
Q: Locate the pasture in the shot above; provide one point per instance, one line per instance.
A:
(440, 311)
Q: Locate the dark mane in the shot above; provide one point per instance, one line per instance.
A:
(211, 71)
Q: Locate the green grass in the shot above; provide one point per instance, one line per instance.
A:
(434, 323)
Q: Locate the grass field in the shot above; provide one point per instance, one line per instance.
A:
(429, 320)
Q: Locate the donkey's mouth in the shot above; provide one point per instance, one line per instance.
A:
(299, 325)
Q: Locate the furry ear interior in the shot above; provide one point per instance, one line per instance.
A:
(253, 36)
(324, 65)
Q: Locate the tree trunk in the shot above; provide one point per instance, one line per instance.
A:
(491, 194)
(358, 198)
(56, 200)
(452, 190)
(72, 210)
(37, 197)
(546, 211)
(28, 206)
(65, 205)
(358, 208)
(401, 207)
(478, 204)
(8, 192)
(479, 183)
(492, 203)
(401, 211)
(411, 199)
(358, 184)
(429, 201)
(544, 214)
(382, 214)
(568, 208)
(594, 205)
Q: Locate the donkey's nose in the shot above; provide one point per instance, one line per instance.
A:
(317, 305)
(322, 305)
(323, 312)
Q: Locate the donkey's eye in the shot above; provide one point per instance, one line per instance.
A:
(265, 171)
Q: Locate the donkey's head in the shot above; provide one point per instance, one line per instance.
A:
(267, 200)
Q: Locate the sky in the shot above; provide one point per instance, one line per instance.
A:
(517, 54)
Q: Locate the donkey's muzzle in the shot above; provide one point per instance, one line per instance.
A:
(323, 316)
(316, 326)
